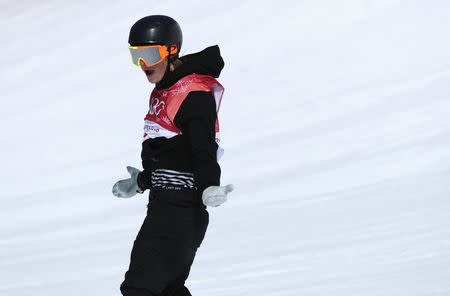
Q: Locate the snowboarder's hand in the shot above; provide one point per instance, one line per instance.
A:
(214, 196)
(127, 187)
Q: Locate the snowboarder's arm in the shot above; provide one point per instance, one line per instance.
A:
(196, 119)
(144, 179)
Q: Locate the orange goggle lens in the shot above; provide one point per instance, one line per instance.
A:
(149, 54)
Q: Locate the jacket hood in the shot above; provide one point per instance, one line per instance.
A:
(206, 62)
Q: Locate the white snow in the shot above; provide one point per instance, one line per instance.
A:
(336, 125)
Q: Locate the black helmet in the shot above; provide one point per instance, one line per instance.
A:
(156, 30)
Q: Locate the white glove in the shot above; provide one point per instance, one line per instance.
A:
(214, 196)
(127, 187)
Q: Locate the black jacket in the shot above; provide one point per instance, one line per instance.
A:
(194, 151)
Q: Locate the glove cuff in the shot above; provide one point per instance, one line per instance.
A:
(139, 184)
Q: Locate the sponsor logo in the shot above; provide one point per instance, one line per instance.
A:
(156, 106)
(151, 128)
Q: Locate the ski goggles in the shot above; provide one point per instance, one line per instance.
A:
(150, 54)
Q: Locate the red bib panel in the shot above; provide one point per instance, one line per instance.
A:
(165, 103)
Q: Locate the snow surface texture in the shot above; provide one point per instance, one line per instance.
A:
(336, 128)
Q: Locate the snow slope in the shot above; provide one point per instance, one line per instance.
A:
(336, 128)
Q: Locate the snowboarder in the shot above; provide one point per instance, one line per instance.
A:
(179, 157)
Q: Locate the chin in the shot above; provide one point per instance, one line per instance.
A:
(153, 80)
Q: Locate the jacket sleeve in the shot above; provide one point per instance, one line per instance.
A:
(196, 119)
(144, 180)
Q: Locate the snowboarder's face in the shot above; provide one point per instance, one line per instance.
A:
(156, 72)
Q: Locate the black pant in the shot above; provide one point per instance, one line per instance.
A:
(165, 247)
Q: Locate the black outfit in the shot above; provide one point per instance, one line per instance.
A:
(195, 149)
(176, 170)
